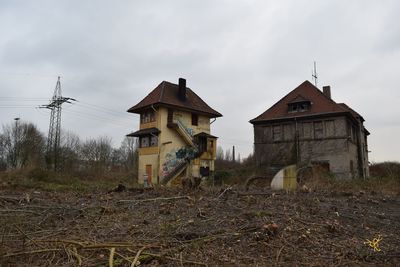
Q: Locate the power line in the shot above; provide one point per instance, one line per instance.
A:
(91, 117)
(111, 114)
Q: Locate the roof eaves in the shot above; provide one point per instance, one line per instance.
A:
(315, 115)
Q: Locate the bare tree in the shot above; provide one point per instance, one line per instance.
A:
(22, 145)
(69, 152)
(96, 153)
(129, 153)
(220, 153)
(228, 155)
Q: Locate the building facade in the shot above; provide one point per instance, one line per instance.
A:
(306, 127)
(174, 135)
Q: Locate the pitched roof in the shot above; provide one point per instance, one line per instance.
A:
(166, 93)
(320, 105)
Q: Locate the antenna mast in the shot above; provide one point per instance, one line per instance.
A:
(314, 74)
(53, 138)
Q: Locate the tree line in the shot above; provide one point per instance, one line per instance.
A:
(23, 146)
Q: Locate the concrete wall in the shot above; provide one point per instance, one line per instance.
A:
(319, 140)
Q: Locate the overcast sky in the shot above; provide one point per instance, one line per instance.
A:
(239, 56)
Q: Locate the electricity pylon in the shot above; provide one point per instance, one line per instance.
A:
(53, 138)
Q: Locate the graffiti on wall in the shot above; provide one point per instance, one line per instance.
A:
(176, 157)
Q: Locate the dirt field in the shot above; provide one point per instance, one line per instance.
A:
(220, 227)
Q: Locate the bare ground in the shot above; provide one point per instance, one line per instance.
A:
(224, 227)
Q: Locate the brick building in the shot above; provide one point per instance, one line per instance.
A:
(307, 127)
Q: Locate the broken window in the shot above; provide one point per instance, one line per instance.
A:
(299, 106)
(318, 130)
(144, 141)
(148, 141)
(153, 140)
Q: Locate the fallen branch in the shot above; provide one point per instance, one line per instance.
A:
(152, 199)
(31, 252)
(255, 194)
(137, 256)
(24, 211)
(10, 199)
(175, 259)
(111, 258)
(83, 245)
(226, 189)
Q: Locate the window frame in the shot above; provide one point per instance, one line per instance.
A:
(195, 119)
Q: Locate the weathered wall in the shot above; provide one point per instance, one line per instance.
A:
(324, 140)
(148, 160)
(171, 147)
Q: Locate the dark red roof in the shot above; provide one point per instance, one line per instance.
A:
(146, 131)
(320, 105)
(166, 93)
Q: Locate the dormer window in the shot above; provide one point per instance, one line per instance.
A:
(299, 106)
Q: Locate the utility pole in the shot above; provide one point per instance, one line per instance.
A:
(233, 153)
(53, 138)
(16, 145)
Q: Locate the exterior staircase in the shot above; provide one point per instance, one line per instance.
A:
(180, 128)
(187, 136)
(175, 172)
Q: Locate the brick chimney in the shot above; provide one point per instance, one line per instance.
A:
(182, 89)
(327, 91)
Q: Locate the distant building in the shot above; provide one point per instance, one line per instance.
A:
(306, 127)
(174, 135)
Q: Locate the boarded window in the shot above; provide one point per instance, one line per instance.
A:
(307, 130)
(276, 132)
(330, 128)
(267, 134)
(318, 129)
(287, 132)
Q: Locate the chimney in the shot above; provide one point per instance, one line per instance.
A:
(327, 91)
(182, 89)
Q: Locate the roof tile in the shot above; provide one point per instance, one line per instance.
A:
(166, 93)
(320, 104)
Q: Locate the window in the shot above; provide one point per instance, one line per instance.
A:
(195, 119)
(153, 140)
(148, 141)
(318, 130)
(202, 144)
(330, 128)
(276, 132)
(147, 116)
(307, 130)
(288, 132)
(144, 141)
(299, 106)
(211, 146)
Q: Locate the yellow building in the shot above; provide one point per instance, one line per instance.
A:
(174, 135)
